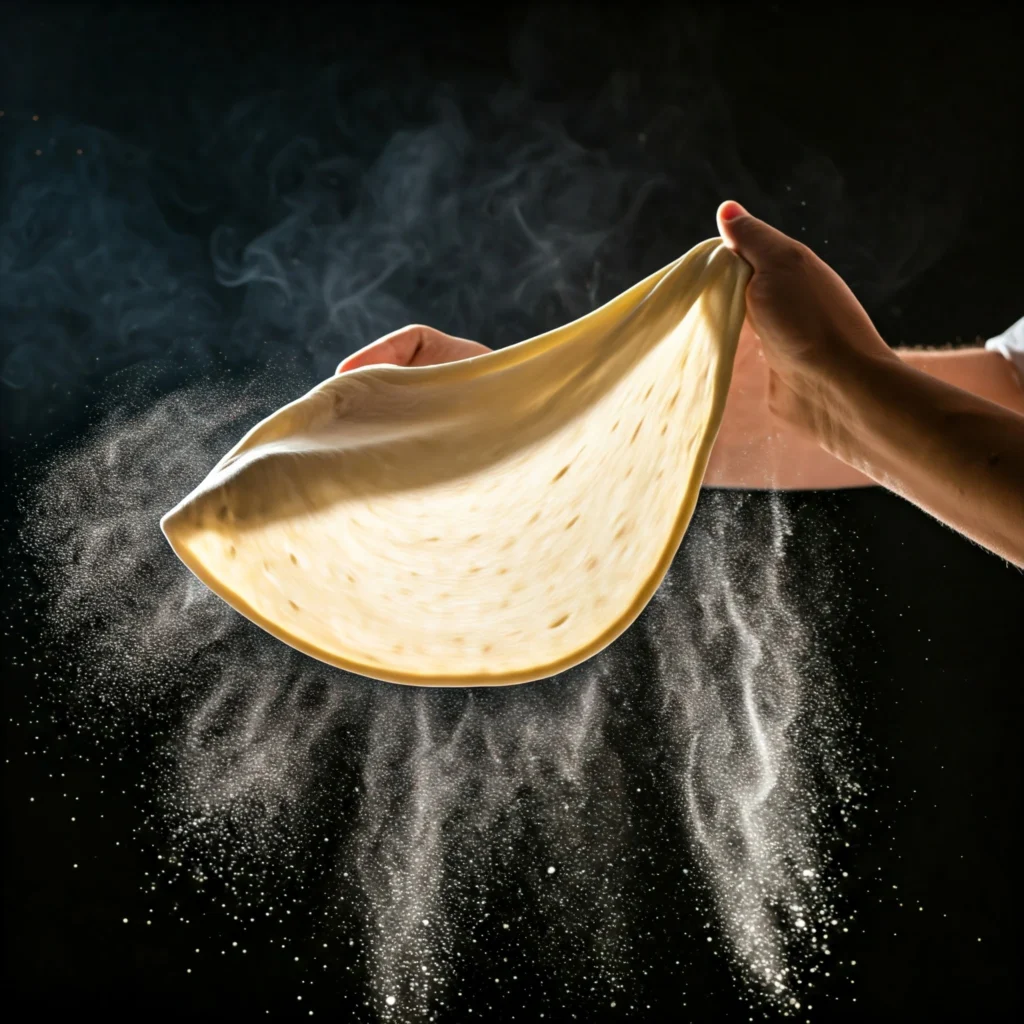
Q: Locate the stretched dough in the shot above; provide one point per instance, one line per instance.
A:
(484, 522)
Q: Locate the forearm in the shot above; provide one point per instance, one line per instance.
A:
(958, 456)
(757, 451)
(775, 457)
(977, 370)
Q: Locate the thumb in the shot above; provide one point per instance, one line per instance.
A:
(758, 243)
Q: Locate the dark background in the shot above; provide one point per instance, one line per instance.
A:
(888, 140)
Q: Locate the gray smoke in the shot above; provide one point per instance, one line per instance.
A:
(161, 205)
(340, 227)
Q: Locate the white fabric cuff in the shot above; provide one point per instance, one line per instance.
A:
(1010, 344)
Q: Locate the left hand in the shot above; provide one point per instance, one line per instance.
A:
(414, 345)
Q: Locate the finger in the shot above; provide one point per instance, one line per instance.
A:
(448, 350)
(415, 345)
(398, 348)
(434, 346)
(758, 243)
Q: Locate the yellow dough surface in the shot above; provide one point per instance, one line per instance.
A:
(484, 522)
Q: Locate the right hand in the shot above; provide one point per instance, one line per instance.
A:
(812, 330)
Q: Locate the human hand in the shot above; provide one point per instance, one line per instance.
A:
(812, 330)
(415, 345)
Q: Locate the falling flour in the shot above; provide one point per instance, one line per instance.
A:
(434, 817)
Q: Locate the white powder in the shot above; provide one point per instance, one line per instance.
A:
(417, 811)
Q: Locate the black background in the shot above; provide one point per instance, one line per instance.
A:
(901, 130)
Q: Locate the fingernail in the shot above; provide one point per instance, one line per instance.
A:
(731, 210)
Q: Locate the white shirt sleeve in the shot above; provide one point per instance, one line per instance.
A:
(1011, 345)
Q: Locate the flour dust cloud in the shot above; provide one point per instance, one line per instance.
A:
(415, 827)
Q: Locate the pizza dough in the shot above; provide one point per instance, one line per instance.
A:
(484, 522)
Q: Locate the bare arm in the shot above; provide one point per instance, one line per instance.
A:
(957, 456)
(757, 451)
